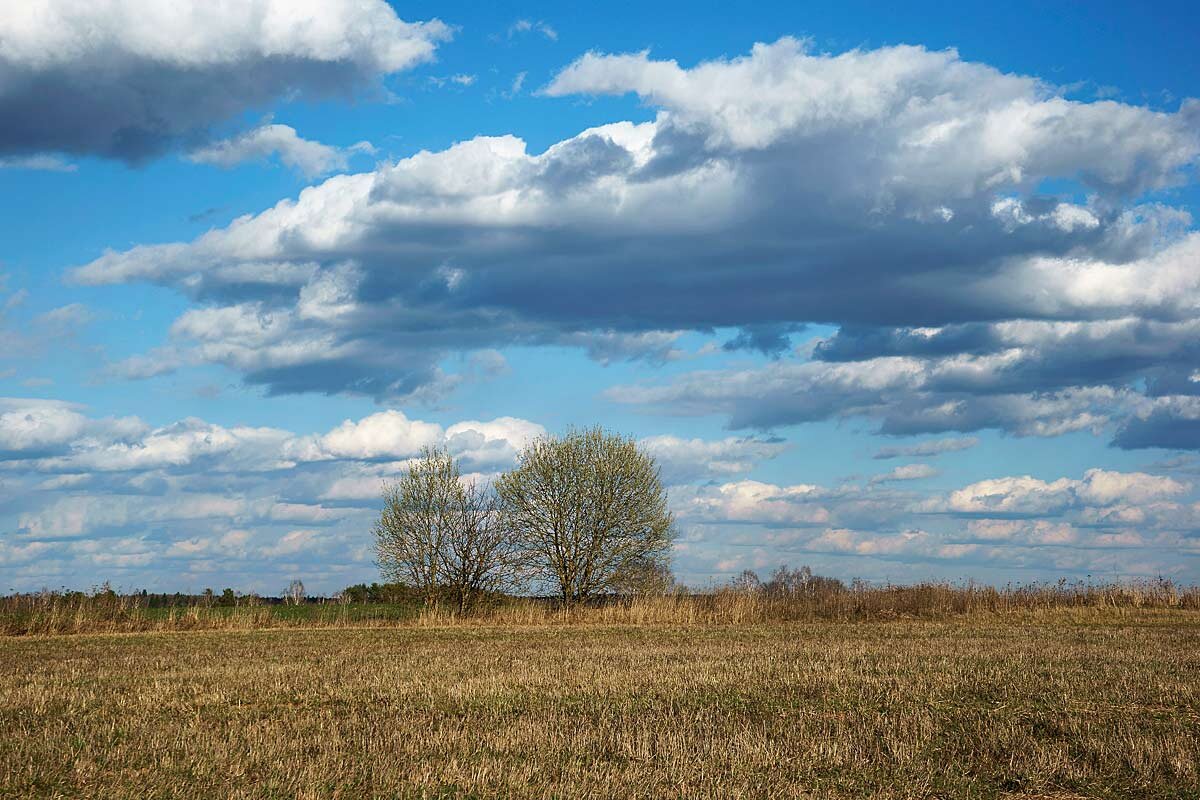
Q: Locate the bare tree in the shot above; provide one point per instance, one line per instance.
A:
(479, 550)
(746, 581)
(645, 577)
(294, 594)
(418, 511)
(588, 508)
(440, 535)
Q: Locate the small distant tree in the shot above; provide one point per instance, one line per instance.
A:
(786, 581)
(294, 594)
(746, 581)
(645, 577)
(441, 535)
(801, 582)
(228, 597)
(589, 509)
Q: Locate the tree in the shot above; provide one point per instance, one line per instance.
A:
(645, 577)
(418, 509)
(801, 582)
(294, 594)
(479, 553)
(589, 510)
(747, 582)
(442, 536)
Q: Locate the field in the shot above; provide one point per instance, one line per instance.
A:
(1057, 703)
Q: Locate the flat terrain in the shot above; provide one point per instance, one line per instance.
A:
(1061, 704)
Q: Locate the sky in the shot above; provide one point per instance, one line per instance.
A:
(901, 294)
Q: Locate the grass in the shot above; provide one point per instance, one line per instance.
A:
(105, 611)
(1058, 702)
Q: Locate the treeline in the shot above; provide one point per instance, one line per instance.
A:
(788, 595)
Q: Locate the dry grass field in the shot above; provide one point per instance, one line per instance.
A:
(1060, 703)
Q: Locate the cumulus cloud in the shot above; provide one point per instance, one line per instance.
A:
(388, 434)
(53, 437)
(893, 193)
(303, 155)
(1028, 496)
(31, 428)
(1123, 523)
(758, 502)
(91, 498)
(130, 79)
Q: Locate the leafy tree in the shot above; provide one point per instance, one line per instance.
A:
(589, 510)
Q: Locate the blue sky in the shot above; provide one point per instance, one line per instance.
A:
(898, 294)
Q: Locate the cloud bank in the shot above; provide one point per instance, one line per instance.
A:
(897, 194)
(193, 504)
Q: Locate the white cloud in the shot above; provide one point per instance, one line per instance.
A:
(117, 499)
(31, 426)
(39, 163)
(687, 460)
(527, 26)
(491, 445)
(459, 79)
(932, 447)
(131, 78)
(758, 502)
(293, 543)
(387, 434)
(55, 437)
(838, 162)
(1028, 496)
(303, 155)
(906, 472)
(74, 516)
(944, 122)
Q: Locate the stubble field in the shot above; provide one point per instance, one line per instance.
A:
(1068, 703)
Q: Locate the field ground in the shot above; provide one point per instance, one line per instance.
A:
(1060, 704)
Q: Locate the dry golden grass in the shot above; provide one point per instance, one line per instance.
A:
(1057, 703)
(107, 612)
